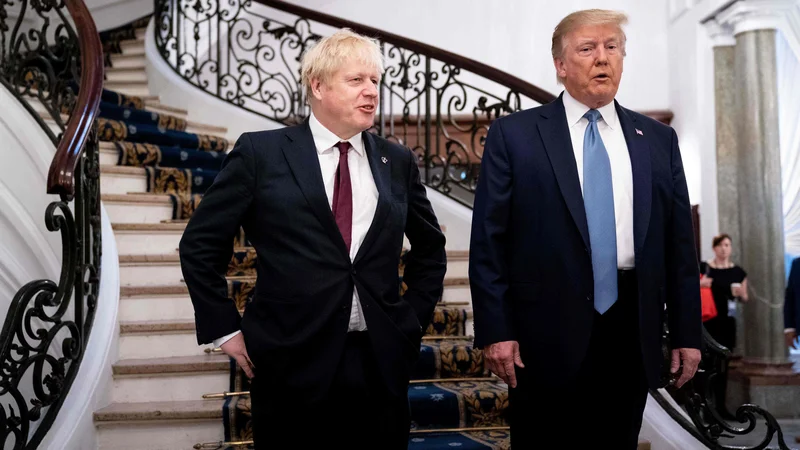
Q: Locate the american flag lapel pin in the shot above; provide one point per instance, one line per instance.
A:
(639, 132)
(384, 159)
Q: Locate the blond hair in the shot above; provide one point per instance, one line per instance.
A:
(327, 56)
(590, 17)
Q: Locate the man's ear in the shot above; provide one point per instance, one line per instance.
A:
(561, 70)
(316, 88)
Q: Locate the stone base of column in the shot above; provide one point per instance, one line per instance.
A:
(774, 387)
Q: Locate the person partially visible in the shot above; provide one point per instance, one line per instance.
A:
(728, 282)
(791, 306)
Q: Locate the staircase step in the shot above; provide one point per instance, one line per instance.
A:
(159, 425)
(159, 339)
(140, 33)
(158, 107)
(122, 179)
(126, 74)
(126, 208)
(138, 411)
(132, 46)
(109, 155)
(202, 128)
(120, 61)
(150, 270)
(134, 88)
(147, 238)
(169, 379)
(155, 302)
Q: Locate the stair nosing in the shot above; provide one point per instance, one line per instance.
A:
(151, 291)
(148, 198)
(122, 170)
(157, 327)
(150, 258)
(169, 227)
(138, 412)
(172, 365)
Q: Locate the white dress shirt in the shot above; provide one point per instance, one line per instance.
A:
(621, 172)
(365, 199)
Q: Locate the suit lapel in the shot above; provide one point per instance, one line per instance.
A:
(301, 154)
(556, 137)
(381, 166)
(639, 150)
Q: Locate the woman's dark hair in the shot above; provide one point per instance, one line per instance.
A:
(718, 240)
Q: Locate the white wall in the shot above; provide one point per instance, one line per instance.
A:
(515, 36)
(691, 94)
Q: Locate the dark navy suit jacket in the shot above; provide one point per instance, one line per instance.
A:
(295, 326)
(530, 264)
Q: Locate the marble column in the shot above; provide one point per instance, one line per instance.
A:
(759, 194)
(727, 159)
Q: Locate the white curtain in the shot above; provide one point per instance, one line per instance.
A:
(789, 124)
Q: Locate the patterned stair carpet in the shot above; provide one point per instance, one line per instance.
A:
(451, 388)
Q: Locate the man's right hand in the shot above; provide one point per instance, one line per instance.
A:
(235, 348)
(501, 357)
(791, 337)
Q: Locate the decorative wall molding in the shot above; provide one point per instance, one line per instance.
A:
(721, 34)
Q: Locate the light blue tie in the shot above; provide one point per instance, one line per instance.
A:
(598, 199)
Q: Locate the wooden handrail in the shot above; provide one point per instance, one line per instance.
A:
(61, 178)
(510, 81)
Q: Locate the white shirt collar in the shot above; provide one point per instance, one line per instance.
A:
(575, 111)
(325, 139)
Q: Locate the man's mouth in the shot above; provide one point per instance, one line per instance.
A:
(367, 108)
(601, 77)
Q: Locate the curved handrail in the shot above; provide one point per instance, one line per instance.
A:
(61, 177)
(515, 84)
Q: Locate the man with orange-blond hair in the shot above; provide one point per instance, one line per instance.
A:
(581, 234)
(327, 340)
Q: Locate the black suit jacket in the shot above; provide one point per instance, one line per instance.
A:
(530, 266)
(295, 326)
(791, 305)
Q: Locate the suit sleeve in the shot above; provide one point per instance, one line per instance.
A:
(488, 271)
(207, 244)
(426, 261)
(683, 277)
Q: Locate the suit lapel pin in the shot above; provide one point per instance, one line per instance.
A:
(639, 132)
(384, 159)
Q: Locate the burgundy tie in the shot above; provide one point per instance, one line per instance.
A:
(343, 195)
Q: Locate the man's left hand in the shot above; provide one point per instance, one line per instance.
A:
(690, 358)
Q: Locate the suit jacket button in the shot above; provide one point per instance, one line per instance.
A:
(589, 297)
(354, 272)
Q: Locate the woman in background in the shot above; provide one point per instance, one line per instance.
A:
(728, 282)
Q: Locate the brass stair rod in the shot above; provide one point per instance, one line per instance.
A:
(226, 395)
(458, 430)
(431, 380)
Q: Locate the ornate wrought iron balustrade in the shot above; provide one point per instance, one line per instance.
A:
(697, 399)
(437, 103)
(56, 72)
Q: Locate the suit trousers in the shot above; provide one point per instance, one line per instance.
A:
(602, 406)
(358, 412)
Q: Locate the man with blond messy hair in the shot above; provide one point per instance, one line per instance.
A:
(581, 235)
(327, 340)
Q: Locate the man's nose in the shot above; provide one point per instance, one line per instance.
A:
(601, 56)
(371, 90)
